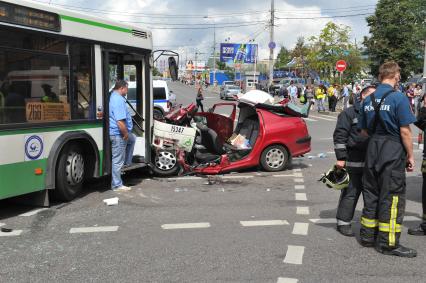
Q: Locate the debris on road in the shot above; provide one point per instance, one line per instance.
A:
(111, 201)
(6, 230)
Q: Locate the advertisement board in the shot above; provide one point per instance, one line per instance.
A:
(238, 53)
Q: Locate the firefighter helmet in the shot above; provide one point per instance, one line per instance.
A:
(335, 178)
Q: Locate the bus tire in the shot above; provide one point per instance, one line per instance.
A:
(165, 163)
(70, 173)
(158, 114)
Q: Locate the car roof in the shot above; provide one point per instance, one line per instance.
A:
(159, 83)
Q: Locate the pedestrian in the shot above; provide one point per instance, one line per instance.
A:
(410, 94)
(309, 93)
(330, 96)
(386, 117)
(199, 99)
(320, 96)
(120, 133)
(292, 91)
(350, 147)
(418, 97)
(345, 96)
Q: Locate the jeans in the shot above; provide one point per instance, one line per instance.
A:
(122, 153)
(320, 104)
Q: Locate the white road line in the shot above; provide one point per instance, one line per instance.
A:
(302, 210)
(2, 224)
(322, 118)
(411, 218)
(324, 221)
(299, 180)
(185, 226)
(294, 254)
(298, 175)
(310, 120)
(301, 196)
(297, 170)
(11, 234)
(282, 175)
(32, 212)
(299, 187)
(300, 229)
(237, 177)
(93, 229)
(287, 280)
(264, 223)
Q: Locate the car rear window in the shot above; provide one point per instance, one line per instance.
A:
(159, 93)
(233, 87)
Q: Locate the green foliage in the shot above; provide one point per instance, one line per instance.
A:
(155, 72)
(220, 65)
(397, 30)
(283, 57)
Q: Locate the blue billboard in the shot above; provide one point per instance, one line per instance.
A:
(234, 53)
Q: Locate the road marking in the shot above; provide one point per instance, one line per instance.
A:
(287, 280)
(310, 120)
(322, 118)
(302, 210)
(204, 178)
(237, 177)
(323, 221)
(2, 224)
(93, 229)
(297, 170)
(299, 187)
(294, 254)
(282, 175)
(32, 212)
(411, 218)
(264, 223)
(298, 175)
(299, 180)
(301, 196)
(185, 226)
(300, 229)
(11, 234)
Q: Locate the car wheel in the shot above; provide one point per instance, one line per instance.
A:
(165, 163)
(158, 114)
(70, 173)
(274, 158)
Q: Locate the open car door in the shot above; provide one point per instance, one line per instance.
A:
(220, 118)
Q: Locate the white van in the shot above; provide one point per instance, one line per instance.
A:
(164, 99)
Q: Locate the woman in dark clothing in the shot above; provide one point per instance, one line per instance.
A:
(199, 99)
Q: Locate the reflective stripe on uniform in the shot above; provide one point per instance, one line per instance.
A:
(369, 223)
(392, 221)
(339, 146)
(384, 227)
(355, 164)
(355, 120)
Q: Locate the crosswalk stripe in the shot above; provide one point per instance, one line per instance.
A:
(93, 229)
(287, 280)
(185, 226)
(299, 187)
(264, 223)
(11, 234)
(302, 210)
(294, 254)
(301, 196)
(300, 229)
(323, 221)
(32, 212)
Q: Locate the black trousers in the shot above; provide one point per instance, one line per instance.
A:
(384, 191)
(200, 104)
(349, 198)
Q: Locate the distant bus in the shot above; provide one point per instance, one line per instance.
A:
(56, 69)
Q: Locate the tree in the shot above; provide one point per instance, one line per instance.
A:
(220, 65)
(397, 29)
(156, 73)
(283, 57)
(300, 52)
(331, 45)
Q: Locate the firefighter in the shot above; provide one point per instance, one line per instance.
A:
(386, 117)
(350, 147)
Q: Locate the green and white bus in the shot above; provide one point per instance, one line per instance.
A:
(56, 69)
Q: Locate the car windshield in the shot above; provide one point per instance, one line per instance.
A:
(233, 87)
(284, 82)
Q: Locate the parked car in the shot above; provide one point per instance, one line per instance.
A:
(285, 83)
(272, 135)
(229, 92)
(163, 100)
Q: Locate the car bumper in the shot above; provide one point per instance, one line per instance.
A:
(303, 140)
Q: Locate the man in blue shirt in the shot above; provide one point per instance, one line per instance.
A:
(120, 133)
(386, 117)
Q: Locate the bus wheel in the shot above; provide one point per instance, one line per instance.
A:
(70, 173)
(158, 114)
(165, 163)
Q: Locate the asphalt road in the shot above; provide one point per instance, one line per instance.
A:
(250, 226)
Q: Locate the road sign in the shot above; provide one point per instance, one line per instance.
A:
(341, 65)
(272, 45)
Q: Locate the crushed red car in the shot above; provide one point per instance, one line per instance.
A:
(267, 134)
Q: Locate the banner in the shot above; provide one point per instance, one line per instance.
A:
(234, 53)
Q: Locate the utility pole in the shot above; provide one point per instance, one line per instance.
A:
(271, 50)
(214, 54)
(424, 70)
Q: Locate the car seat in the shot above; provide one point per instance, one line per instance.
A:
(213, 148)
(249, 128)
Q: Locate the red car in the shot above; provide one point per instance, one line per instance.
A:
(273, 136)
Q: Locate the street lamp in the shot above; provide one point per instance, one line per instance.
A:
(214, 49)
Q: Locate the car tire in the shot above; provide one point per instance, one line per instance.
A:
(70, 173)
(158, 114)
(274, 158)
(165, 163)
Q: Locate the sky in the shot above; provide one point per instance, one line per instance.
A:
(236, 21)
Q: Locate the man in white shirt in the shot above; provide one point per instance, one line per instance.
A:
(292, 92)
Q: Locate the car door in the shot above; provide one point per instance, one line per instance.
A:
(220, 118)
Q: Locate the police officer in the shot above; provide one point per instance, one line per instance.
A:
(350, 147)
(386, 117)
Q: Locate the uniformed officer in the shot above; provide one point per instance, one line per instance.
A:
(350, 147)
(386, 117)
